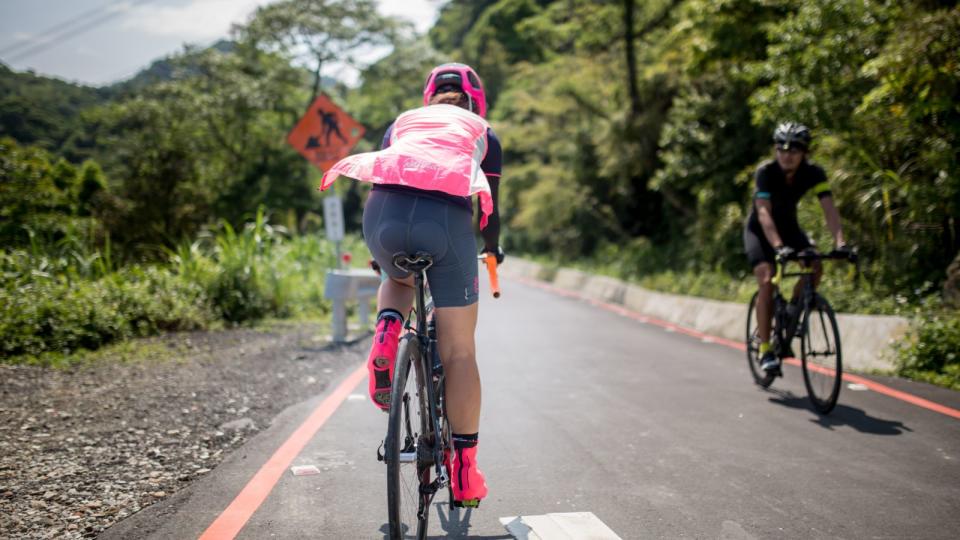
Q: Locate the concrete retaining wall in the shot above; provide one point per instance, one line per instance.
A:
(866, 339)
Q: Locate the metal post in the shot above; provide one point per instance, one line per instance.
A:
(363, 312)
(339, 322)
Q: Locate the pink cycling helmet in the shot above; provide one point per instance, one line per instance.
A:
(463, 77)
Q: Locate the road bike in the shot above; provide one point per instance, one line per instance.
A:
(810, 318)
(418, 434)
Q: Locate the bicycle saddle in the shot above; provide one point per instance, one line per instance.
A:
(416, 263)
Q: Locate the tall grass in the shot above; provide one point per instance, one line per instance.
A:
(68, 296)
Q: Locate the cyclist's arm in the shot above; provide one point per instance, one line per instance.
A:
(492, 167)
(822, 191)
(833, 220)
(765, 215)
(761, 199)
(491, 233)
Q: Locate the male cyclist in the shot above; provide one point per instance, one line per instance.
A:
(772, 232)
(431, 161)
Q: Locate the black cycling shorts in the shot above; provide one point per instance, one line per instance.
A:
(409, 222)
(760, 251)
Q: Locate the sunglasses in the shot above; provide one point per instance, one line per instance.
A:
(791, 148)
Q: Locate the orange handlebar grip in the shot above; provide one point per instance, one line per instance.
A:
(491, 261)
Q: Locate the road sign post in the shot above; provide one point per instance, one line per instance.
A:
(325, 135)
(333, 221)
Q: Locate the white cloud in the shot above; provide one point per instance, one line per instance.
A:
(421, 12)
(199, 20)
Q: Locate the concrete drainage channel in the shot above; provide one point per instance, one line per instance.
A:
(867, 339)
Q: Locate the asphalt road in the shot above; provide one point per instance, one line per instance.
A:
(659, 434)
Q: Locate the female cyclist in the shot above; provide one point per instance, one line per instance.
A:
(432, 160)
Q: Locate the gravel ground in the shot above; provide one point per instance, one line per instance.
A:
(82, 449)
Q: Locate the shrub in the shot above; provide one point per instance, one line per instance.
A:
(65, 296)
(45, 312)
(932, 350)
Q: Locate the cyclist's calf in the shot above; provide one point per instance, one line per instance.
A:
(455, 338)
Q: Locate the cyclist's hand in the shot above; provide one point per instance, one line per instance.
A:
(784, 253)
(498, 251)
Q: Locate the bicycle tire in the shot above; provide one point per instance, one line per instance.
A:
(821, 339)
(752, 343)
(407, 469)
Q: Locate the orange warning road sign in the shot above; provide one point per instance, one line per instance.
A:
(325, 134)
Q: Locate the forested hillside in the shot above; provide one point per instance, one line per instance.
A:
(633, 128)
(631, 131)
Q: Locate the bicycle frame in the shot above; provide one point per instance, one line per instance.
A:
(808, 292)
(432, 370)
(806, 274)
(420, 346)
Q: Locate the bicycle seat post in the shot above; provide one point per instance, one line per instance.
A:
(418, 265)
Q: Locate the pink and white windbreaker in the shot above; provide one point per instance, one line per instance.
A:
(437, 147)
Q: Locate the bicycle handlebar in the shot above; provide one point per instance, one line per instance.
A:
(490, 259)
(810, 256)
(836, 254)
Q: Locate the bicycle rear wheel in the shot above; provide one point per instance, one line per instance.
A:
(408, 464)
(761, 377)
(821, 355)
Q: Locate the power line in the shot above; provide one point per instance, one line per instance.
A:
(63, 31)
(30, 41)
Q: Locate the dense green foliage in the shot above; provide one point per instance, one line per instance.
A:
(47, 200)
(592, 176)
(932, 351)
(66, 297)
(46, 112)
(632, 131)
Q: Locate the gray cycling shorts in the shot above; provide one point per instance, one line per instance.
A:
(395, 222)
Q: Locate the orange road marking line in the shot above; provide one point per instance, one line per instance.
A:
(872, 385)
(236, 515)
(903, 396)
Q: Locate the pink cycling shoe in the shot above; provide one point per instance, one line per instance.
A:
(466, 480)
(382, 358)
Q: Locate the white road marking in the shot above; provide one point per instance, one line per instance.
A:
(355, 397)
(857, 387)
(304, 470)
(559, 526)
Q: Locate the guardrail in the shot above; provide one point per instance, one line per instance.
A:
(342, 286)
(867, 340)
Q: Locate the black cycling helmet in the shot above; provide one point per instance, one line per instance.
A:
(792, 135)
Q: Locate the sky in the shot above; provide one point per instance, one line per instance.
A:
(99, 42)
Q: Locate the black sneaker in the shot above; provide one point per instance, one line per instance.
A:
(770, 363)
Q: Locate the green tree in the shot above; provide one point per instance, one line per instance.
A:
(320, 31)
(38, 198)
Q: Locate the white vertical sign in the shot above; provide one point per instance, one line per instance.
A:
(333, 217)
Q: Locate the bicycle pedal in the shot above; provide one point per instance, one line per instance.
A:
(469, 503)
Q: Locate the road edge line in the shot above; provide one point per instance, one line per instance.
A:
(229, 523)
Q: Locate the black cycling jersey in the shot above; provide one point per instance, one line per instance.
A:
(771, 184)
